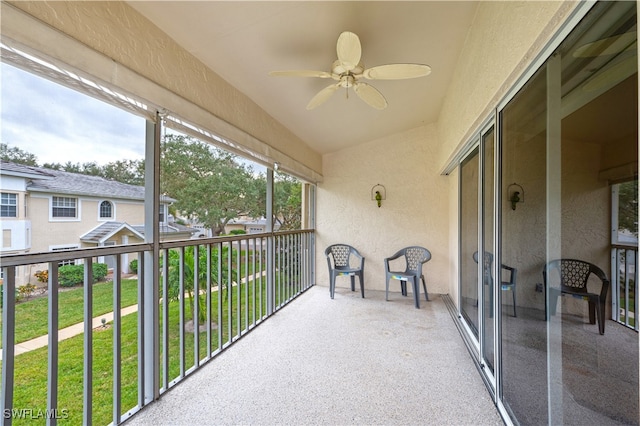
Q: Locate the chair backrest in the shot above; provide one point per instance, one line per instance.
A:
(574, 273)
(341, 254)
(415, 257)
(487, 262)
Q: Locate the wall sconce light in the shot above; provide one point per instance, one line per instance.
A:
(515, 194)
(276, 166)
(378, 193)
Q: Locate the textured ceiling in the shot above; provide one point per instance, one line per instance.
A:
(243, 41)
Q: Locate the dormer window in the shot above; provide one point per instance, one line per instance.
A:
(106, 210)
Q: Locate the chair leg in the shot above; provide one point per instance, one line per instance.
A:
(601, 311)
(513, 290)
(360, 275)
(592, 311)
(426, 295)
(332, 285)
(403, 287)
(386, 297)
(416, 292)
(353, 282)
(553, 301)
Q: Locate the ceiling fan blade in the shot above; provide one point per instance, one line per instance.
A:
(300, 73)
(396, 71)
(349, 50)
(322, 96)
(607, 46)
(370, 95)
(612, 75)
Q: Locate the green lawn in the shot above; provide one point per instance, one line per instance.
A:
(31, 316)
(31, 368)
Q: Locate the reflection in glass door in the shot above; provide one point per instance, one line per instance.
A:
(477, 284)
(469, 179)
(490, 285)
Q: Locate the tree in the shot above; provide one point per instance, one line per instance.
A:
(210, 185)
(287, 201)
(628, 206)
(17, 155)
(125, 171)
(188, 276)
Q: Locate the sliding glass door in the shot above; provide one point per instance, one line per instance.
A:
(539, 195)
(477, 284)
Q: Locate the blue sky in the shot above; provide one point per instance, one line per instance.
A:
(58, 124)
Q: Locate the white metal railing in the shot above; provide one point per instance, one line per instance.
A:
(222, 287)
(624, 285)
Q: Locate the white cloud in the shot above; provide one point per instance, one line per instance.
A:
(58, 124)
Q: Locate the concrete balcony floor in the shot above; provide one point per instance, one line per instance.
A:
(337, 362)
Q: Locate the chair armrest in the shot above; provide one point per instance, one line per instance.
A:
(512, 273)
(357, 254)
(605, 289)
(605, 281)
(395, 256)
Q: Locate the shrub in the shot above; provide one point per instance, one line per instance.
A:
(42, 276)
(71, 275)
(100, 271)
(2, 295)
(237, 232)
(26, 291)
(133, 266)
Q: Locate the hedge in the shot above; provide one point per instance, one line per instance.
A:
(72, 275)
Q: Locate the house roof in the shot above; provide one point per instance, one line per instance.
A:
(171, 228)
(106, 230)
(20, 170)
(60, 182)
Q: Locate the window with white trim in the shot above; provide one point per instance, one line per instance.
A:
(8, 205)
(64, 207)
(61, 248)
(106, 210)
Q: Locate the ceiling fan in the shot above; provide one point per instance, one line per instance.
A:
(348, 71)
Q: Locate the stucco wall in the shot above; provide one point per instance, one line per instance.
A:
(414, 213)
(502, 41)
(63, 232)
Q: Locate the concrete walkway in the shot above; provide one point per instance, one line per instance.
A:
(68, 332)
(343, 361)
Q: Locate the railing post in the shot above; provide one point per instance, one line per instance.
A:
(52, 372)
(8, 341)
(150, 309)
(117, 340)
(88, 342)
(270, 246)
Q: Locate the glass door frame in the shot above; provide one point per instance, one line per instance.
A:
(477, 142)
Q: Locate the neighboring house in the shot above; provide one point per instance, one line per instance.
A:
(249, 225)
(48, 210)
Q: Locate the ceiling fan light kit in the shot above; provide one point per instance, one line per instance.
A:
(348, 71)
